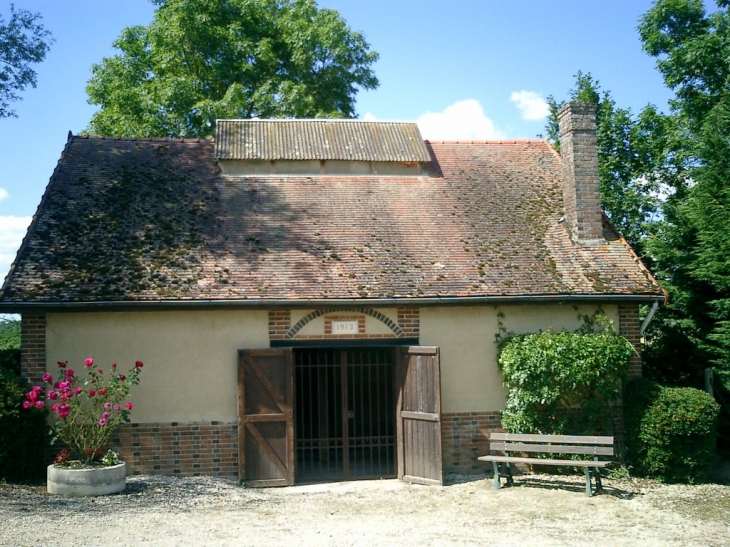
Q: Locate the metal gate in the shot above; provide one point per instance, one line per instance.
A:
(345, 413)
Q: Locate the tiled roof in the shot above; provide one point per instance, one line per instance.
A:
(143, 220)
(348, 140)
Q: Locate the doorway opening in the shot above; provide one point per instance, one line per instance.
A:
(345, 413)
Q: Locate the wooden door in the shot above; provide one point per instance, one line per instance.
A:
(419, 415)
(266, 426)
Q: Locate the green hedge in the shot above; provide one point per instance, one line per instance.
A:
(670, 431)
(22, 433)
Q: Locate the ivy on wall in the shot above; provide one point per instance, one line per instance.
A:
(565, 382)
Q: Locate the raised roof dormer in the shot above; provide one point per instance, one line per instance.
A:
(319, 147)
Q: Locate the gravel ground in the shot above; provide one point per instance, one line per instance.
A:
(538, 510)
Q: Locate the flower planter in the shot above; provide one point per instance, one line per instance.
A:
(95, 481)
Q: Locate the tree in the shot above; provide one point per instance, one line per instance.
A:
(9, 334)
(629, 153)
(23, 42)
(206, 60)
(692, 247)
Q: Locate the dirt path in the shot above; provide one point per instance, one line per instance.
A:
(540, 510)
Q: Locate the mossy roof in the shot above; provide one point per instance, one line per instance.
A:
(148, 220)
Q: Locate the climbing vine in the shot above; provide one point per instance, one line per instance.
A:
(565, 382)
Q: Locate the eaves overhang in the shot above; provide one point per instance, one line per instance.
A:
(172, 304)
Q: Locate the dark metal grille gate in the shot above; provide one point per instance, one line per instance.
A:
(345, 413)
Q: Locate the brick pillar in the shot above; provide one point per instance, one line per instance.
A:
(409, 320)
(629, 325)
(579, 158)
(32, 346)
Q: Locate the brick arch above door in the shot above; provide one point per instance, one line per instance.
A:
(406, 325)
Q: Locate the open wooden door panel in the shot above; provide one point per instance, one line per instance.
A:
(266, 428)
(419, 415)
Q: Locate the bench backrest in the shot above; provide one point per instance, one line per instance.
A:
(551, 444)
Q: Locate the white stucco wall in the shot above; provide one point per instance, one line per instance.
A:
(470, 378)
(190, 357)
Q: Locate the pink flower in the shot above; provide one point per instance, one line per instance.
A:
(105, 415)
(138, 364)
(118, 408)
(62, 364)
(107, 405)
(64, 398)
(100, 371)
(92, 392)
(37, 389)
(31, 395)
(122, 377)
(55, 407)
(26, 404)
(102, 392)
(63, 414)
(128, 405)
(89, 362)
(114, 365)
(102, 422)
(53, 395)
(38, 404)
(47, 378)
(69, 372)
(79, 391)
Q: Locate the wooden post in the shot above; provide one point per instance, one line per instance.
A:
(709, 378)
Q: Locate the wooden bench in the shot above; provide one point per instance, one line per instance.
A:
(510, 443)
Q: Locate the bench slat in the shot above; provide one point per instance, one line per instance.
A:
(539, 461)
(550, 438)
(552, 448)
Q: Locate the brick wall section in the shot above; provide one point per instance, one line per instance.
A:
(464, 439)
(279, 324)
(409, 320)
(179, 449)
(32, 346)
(629, 325)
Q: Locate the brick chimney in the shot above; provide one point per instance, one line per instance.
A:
(579, 155)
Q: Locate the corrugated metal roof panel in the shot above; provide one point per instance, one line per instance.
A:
(352, 140)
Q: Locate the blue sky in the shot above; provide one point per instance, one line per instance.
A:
(464, 69)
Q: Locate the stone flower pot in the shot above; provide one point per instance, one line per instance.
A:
(94, 481)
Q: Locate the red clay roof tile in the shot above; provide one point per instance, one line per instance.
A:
(141, 220)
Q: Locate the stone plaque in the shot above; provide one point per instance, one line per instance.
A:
(345, 327)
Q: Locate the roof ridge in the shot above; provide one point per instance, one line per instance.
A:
(323, 120)
(141, 139)
(490, 141)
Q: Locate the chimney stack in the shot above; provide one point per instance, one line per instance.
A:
(579, 158)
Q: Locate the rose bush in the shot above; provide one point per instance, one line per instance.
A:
(85, 408)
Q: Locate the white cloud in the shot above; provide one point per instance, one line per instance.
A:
(12, 232)
(463, 120)
(532, 106)
(3, 193)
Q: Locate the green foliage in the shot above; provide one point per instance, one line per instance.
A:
(670, 431)
(23, 42)
(690, 247)
(206, 60)
(21, 434)
(9, 334)
(563, 383)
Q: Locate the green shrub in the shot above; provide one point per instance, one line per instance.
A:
(22, 433)
(670, 431)
(563, 383)
(10, 360)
